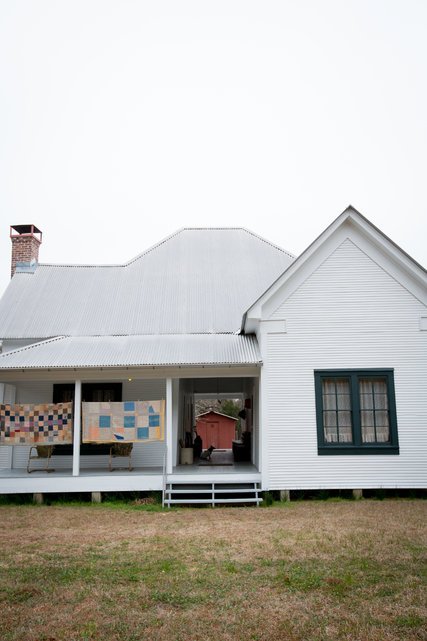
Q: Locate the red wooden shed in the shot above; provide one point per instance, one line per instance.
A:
(216, 429)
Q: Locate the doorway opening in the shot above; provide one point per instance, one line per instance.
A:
(217, 421)
(217, 414)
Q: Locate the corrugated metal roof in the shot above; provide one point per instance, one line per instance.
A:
(196, 281)
(134, 351)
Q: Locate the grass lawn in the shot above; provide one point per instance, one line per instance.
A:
(312, 570)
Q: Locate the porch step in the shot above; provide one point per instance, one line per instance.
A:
(184, 493)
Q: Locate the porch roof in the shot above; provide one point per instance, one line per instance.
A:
(135, 351)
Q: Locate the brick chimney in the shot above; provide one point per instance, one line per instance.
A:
(26, 240)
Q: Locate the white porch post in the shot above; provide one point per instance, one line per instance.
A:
(175, 414)
(8, 395)
(169, 426)
(263, 428)
(77, 427)
(9, 450)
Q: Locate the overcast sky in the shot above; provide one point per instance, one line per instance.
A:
(122, 121)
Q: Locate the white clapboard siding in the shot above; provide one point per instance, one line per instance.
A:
(5, 457)
(34, 392)
(348, 314)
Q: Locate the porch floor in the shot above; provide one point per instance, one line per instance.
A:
(68, 471)
(209, 470)
(141, 478)
(189, 470)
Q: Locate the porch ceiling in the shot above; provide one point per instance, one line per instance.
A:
(135, 351)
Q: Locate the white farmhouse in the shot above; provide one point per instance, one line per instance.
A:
(327, 352)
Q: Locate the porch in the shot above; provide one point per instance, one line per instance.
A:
(142, 479)
(154, 464)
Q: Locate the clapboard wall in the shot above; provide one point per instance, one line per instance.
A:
(349, 313)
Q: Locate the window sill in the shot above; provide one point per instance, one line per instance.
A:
(357, 450)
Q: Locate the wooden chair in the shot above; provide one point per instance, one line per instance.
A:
(120, 450)
(42, 453)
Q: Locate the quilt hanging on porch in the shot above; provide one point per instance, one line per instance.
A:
(50, 423)
(131, 421)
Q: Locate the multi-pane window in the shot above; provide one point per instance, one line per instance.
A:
(337, 420)
(356, 412)
(374, 412)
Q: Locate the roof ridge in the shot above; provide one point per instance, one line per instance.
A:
(268, 242)
(211, 411)
(155, 246)
(182, 229)
(129, 262)
(162, 242)
(79, 265)
(32, 346)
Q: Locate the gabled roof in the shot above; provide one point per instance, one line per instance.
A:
(396, 261)
(232, 418)
(196, 281)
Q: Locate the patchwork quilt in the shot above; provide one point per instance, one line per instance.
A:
(29, 424)
(130, 421)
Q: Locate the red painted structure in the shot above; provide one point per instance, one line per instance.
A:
(216, 429)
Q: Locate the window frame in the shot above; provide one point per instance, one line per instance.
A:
(357, 446)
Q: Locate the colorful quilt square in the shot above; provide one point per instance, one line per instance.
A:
(142, 433)
(104, 421)
(154, 420)
(129, 421)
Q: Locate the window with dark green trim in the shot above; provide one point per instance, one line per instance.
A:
(356, 412)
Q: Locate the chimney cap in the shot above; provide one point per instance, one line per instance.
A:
(24, 230)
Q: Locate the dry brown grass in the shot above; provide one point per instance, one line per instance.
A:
(306, 571)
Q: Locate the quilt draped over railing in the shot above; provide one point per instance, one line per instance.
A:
(129, 421)
(44, 424)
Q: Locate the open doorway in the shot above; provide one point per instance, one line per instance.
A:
(217, 420)
(217, 414)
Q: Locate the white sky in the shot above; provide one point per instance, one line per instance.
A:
(122, 121)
